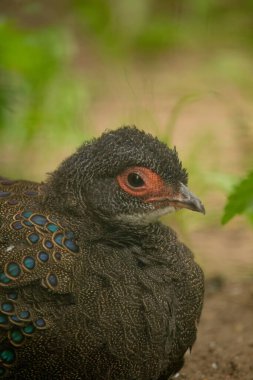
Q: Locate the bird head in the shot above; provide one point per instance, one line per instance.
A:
(124, 176)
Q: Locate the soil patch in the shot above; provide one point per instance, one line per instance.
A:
(224, 348)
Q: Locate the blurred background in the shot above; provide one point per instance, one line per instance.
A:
(182, 70)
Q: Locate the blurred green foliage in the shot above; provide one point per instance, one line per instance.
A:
(240, 201)
(38, 92)
(151, 26)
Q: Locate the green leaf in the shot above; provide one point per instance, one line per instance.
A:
(240, 201)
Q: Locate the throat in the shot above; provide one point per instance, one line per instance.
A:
(122, 234)
(145, 218)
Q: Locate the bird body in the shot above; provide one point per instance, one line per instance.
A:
(92, 286)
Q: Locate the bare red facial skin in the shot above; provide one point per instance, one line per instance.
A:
(153, 188)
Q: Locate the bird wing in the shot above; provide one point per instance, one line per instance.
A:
(33, 244)
(37, 253)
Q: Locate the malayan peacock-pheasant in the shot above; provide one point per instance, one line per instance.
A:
(92, 286)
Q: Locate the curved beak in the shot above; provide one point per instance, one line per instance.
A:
(184, 198)
(181, 198)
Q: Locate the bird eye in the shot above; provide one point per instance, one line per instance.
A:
(135, 180)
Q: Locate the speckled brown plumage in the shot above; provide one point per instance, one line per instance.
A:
(92, 286)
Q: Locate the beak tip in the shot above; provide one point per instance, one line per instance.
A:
(202, 209)
(198, 206)
(191, 200)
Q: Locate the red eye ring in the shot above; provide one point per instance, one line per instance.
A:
(152, 182)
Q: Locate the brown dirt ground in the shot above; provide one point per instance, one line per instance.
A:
(224, 348)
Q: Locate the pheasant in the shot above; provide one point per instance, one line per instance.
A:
(92, 285)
